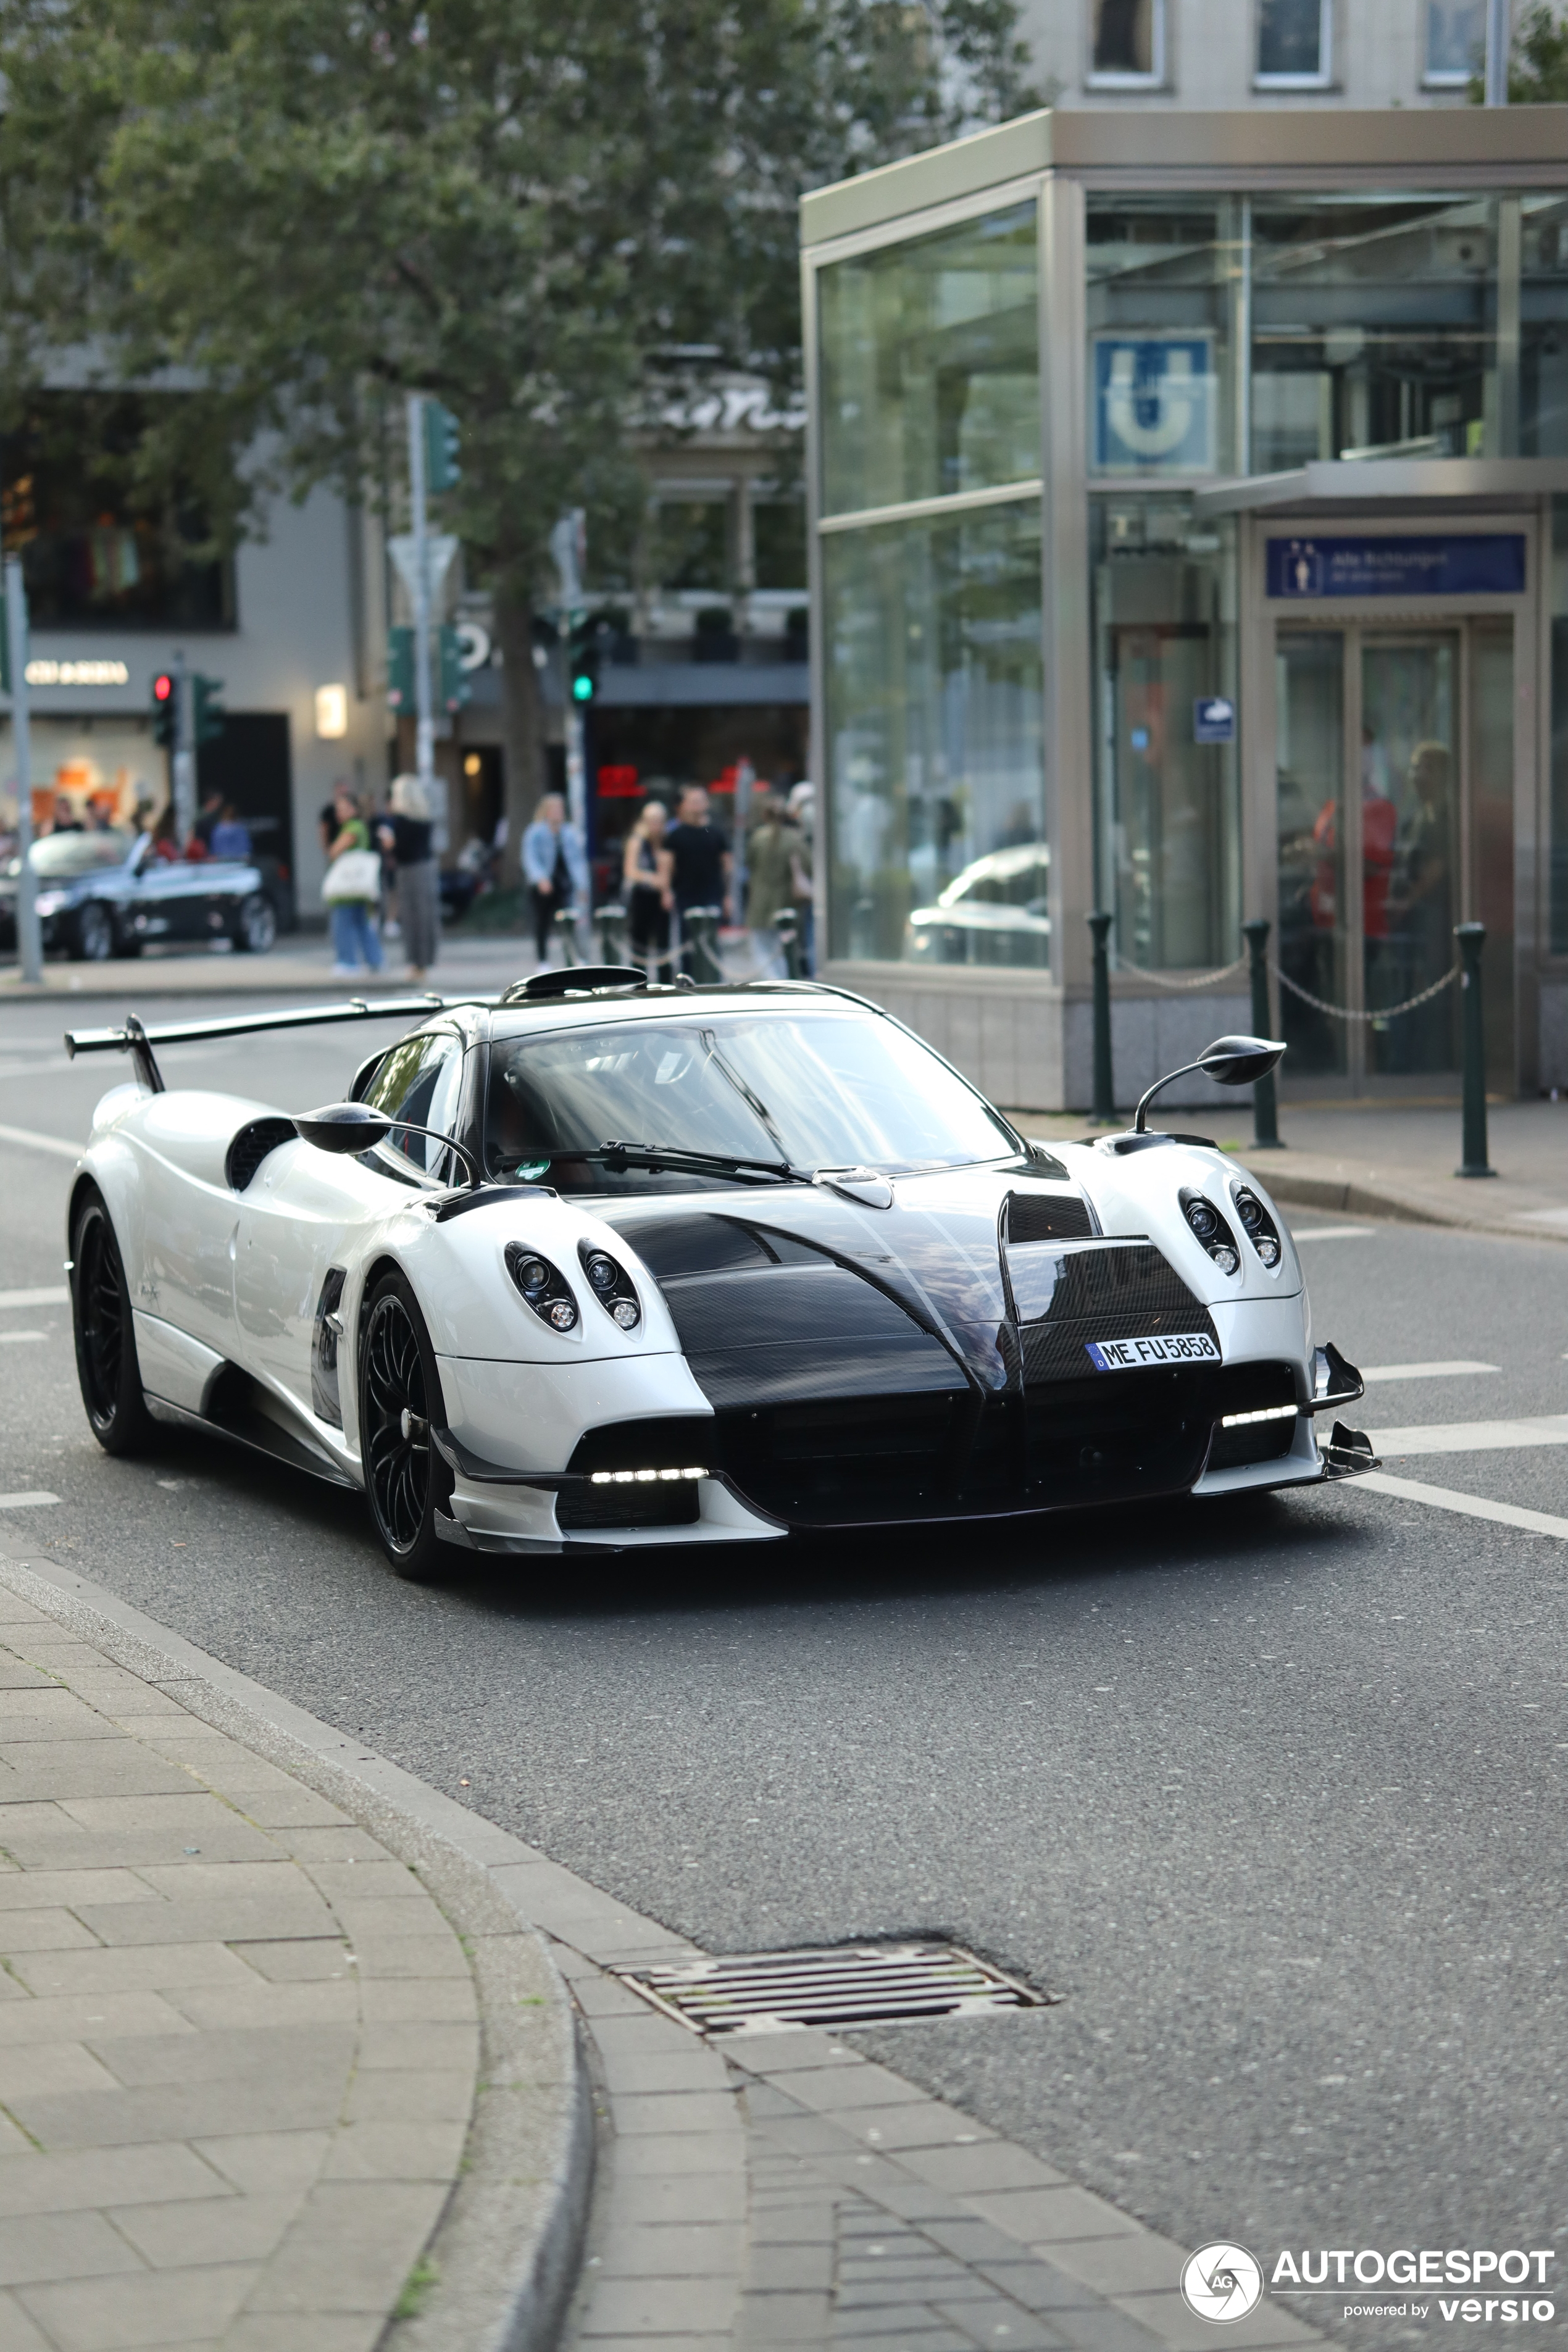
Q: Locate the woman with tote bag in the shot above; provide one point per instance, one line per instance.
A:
(351, 891)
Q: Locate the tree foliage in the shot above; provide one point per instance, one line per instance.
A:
(1538, 62)
(302, 209)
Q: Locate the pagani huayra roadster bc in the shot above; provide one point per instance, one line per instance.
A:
(599, 1265)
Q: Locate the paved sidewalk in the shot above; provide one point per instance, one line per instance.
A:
(238, 2038)
(1386, 1160)
(768, 2190)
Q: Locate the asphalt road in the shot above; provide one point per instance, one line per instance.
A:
(1271, 1794)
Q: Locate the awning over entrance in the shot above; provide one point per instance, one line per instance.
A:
(1332, 480)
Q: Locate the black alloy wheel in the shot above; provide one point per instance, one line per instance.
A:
(106, 1362)
(400, 1397)
(94, 934)
(255, 926)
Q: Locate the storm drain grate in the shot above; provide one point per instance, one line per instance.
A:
(863, 1984)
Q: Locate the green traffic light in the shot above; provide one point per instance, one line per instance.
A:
(582, 689)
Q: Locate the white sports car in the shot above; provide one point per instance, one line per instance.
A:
(600, 1264)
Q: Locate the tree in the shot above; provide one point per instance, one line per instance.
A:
(1538, 62)
(309, 207)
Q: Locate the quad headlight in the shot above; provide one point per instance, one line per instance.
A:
(1211, 1231)
(543, 1286)
(612, 1286)
(1257, 1224)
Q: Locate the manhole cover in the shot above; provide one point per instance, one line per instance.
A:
(866, 1984)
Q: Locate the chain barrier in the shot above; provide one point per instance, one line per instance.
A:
(1161, 979)
(1383, 1012)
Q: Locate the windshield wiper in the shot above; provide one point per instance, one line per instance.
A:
(618, 1157)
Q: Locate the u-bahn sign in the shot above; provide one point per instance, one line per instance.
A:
(1155, 404)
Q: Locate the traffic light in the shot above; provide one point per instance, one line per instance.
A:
(587, 652)
(207, 713)
(400, 668)
(165, 710)
(453, 688)
(442, 436)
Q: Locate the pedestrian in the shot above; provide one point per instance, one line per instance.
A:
(647, 876)
(351, 889)
(702, 863)
(771, 864)
(65, 817)
(803, 813)
(228, 835)
(554, 866)
(209, 817)
(408, 834)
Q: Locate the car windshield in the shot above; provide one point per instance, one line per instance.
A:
(60, 857)
(817, 1089)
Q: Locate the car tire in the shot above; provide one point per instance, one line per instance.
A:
(254, 926)
(407, 1482)
(106, 1363)
(94, 929)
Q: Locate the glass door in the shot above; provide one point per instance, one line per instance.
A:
(1411, 827)
(1393, 762)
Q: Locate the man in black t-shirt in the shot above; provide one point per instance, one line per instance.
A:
(702, 862)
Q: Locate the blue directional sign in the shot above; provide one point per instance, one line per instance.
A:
(1214, 719)
(1465, 563)
(1155, 404)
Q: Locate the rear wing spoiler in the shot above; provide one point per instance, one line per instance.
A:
(138, 1042)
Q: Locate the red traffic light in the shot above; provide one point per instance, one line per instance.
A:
(163, 687)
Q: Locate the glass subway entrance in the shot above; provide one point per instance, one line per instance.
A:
(1394, 761)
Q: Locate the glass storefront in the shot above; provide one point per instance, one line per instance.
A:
(1221, 335)
(930, 366)
(933, 684)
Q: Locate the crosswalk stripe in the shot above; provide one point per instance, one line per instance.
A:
(1471, 1506)
(1472, 1437)
(33, 1142)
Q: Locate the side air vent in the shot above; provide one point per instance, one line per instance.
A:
(251, 1146)
(1046, 1217)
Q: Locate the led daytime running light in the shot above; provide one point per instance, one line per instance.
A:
(630, 1478)
(1269, 1413)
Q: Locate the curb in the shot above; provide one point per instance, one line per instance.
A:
(505, 2264)
(1348, 1198)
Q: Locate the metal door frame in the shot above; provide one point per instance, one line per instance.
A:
(1356, 618)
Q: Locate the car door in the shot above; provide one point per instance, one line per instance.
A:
(303, 1212)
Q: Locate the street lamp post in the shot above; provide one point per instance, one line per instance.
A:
(1498, 31)
(423, 711)
(29, 946)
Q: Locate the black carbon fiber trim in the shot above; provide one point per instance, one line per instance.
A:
(1040, 1217)
(795, 1332)
(1126, 1290)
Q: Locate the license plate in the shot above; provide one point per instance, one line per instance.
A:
(1131, 1355)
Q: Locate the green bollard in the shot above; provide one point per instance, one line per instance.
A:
(1265, 1107)
(1104, 1089)
(1472, 937)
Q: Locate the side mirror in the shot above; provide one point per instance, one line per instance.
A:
(351, 1127)
(1238, 1061)
(345, 1127)
(1229, 1061)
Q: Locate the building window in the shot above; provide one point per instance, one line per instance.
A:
(930, 372)
(1293, 44)
(1128, 44)
(1456, 42)
(99, 547)
(935, 750)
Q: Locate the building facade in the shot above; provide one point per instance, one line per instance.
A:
(1213, 54)
(1189, 536)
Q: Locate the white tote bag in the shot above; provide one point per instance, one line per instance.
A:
(355, 875)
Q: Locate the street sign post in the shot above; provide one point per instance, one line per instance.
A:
(568, 547)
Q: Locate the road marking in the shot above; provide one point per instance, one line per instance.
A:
(15, 1338)
(27, 1502)
(1472, 1437)
(1543, 1216)
(1331, 1233)
(1472, 1507)
(35, 1142)
(1424, 1372)
(56, 1297)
